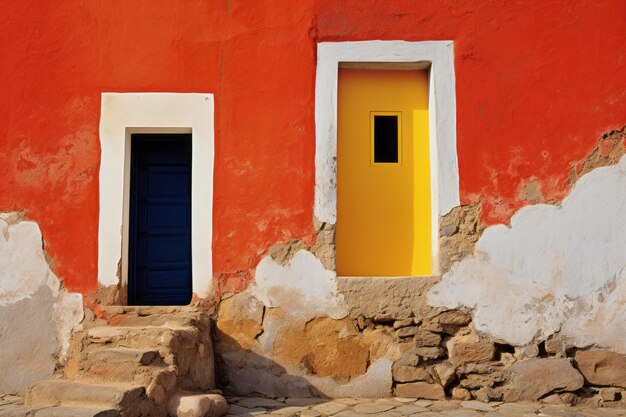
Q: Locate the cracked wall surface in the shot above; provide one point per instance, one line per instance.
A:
(290, 334)
(554, 269)
(36, 315)
(521, 312)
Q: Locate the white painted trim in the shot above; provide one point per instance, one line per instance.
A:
(123, 114)
(442, 117)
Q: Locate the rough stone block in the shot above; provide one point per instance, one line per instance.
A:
(197, 405)
(430, 352)
(555, 346)
(407, 331)
(526, 352)
(426, 338)
(602, 368)
(462, 349)
(445, 373)
(402, 373)
(398, 324)
(475, 381)
(534, 378)
(461, 394)
(453, 317)
(420, 390)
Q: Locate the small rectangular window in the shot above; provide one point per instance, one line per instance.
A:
(386, 138)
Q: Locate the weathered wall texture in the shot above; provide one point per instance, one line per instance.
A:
(534, 311)
(289, 334)
(294, 328)
(537, 82)
(36, 314)
(555, 269)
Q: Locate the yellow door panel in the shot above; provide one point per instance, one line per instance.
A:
(383, 174)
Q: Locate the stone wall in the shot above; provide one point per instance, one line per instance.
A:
(521, 312)
(36, 314)
(392, 342)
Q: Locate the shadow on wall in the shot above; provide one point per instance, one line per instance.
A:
(239, 371)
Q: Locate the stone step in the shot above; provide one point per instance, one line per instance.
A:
(128, 320)
(59, 412)
(124, 355)
(80, 393)
(147, 310)
(140, 337)
(123, 373)
(139, 375)
(148, 315)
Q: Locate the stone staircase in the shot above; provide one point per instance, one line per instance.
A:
(134, 362)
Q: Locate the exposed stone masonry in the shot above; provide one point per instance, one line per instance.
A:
(290, 348)
(441, 356)
(323, 248)
(132, 362)
(435, 353)
(459, 230)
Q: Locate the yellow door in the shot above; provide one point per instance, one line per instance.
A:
(383, 174)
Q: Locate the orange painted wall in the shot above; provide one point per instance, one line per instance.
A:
(537, 82)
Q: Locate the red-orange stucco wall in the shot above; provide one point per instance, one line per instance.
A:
(537, 83)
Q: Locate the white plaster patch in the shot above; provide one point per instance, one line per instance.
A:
(23, 266)
(34, 311)
(303, 288)
(556, 268)
(67, 313)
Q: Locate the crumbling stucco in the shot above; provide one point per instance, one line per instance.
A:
(610, 148)
(555, 268)
(289, 334)
(323, 248)
(303, 287)
(36, 315)
(300, 330)
(385, 299)
(459, 231)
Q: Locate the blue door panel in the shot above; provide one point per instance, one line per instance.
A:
(167, 183)
(166, 216)
(160, 220)
(165, 280)
(163, 249)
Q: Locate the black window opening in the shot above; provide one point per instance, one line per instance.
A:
(386, 139)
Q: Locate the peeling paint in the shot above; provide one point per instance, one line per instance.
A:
(303, 288)
(289, 334)
(554, 269)
(34, 310)
(459, 231)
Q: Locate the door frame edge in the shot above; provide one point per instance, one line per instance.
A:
(123, 114)
(442, 120)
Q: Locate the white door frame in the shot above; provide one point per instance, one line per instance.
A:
(439, 56)
(123, 114)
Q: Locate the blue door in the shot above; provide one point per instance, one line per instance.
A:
(159, 268)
